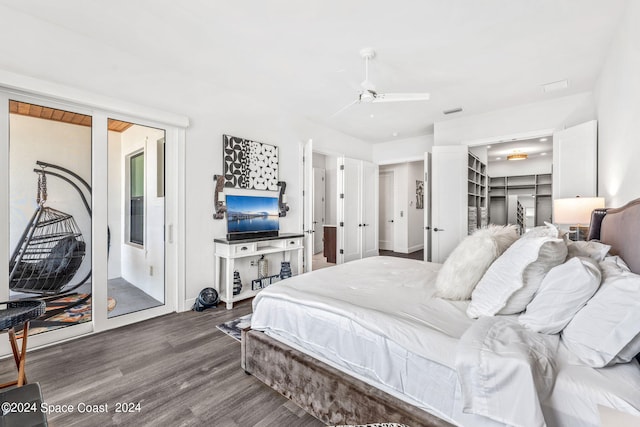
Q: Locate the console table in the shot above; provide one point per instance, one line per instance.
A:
(289, 245)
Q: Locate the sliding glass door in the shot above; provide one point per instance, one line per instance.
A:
(87, 215)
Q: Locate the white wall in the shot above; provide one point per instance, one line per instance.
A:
(415, 222)
(136, 261)
(618, 107)
(245, 118)
(402, 150)
(556, 113)
(63, 144)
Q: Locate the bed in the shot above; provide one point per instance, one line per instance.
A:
(367, 341)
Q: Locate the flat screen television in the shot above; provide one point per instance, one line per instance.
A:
(252, 216)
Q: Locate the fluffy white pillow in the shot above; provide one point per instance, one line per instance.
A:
(468, 262)
(563, 292)
(509, 284)
(607, 330)
(591, 249)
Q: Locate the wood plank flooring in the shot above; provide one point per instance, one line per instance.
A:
(180, 368)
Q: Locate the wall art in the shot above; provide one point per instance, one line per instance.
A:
(419, 194)
(250, 164)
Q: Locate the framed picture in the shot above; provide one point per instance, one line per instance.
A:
(419, 194)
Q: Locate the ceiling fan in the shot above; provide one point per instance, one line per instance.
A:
(368, 94)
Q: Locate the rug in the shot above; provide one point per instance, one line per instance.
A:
(234, 327)
(79, 311)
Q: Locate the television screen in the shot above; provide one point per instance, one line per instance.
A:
(252, 214)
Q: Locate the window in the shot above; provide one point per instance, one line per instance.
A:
(136, 198)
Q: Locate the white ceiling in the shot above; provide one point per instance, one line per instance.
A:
(301, 57)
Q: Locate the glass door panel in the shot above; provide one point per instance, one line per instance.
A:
(136, 218)
(50, 212)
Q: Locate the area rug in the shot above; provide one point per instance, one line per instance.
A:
(57, 316)
(234, 327)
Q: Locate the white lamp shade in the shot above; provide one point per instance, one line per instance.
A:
(221, 196)
(284, 198)
(575, 210)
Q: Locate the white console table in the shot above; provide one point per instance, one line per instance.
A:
(288, 244)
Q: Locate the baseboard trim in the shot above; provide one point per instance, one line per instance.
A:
(416, 248)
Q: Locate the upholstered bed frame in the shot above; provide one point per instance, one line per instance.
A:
(337, 398)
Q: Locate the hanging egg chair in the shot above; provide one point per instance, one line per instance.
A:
(51, 249)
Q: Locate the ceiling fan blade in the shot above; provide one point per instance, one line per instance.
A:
(345, 107)
(399, 97)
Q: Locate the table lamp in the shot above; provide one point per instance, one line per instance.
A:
(576, 211)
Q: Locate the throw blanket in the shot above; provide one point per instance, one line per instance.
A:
(506, 371)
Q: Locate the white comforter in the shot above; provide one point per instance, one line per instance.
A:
(386, 295)
(506, 371)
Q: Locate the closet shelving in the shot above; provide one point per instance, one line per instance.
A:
(476, 193)
(537, 186)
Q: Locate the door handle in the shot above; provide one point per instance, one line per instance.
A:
(390, 220)
(365, 225)
(359, 225)
(438, 229)
(427, 228)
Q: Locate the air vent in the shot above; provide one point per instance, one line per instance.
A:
(555, 86)
(453, 110)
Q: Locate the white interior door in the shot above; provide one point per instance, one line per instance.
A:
(369, 209)
(575, 168)
(449, 197)
(350, 238)
(386, 197)
(307, 197)
(319, 194)
(427, 206)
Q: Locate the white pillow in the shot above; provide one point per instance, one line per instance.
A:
(509, 284)
(607, 330)
(563, 292)
(591, 249)
(466, 265)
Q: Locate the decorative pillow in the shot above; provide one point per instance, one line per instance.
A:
(468, 262)
(562, 293)
(546, 230)
(592, 249)
(509, 284)
(607, 330)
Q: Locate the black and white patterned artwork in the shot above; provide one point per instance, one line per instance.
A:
(419, 194)
(250, 164)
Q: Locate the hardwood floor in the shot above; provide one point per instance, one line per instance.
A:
(180, 368)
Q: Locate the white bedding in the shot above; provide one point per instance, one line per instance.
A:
(377, 320)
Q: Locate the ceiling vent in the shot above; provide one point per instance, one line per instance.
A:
(555, 86)
(453, 110)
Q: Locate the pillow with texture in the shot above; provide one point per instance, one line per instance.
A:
(546, 230)
(562, 293)
(607, 329)
(511, 281)
(468, 262)
(592, 249)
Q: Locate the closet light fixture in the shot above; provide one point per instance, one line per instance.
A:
(517, 155)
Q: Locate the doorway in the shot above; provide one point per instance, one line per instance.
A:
(402, 209)
(324, 210)
(387, 209)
